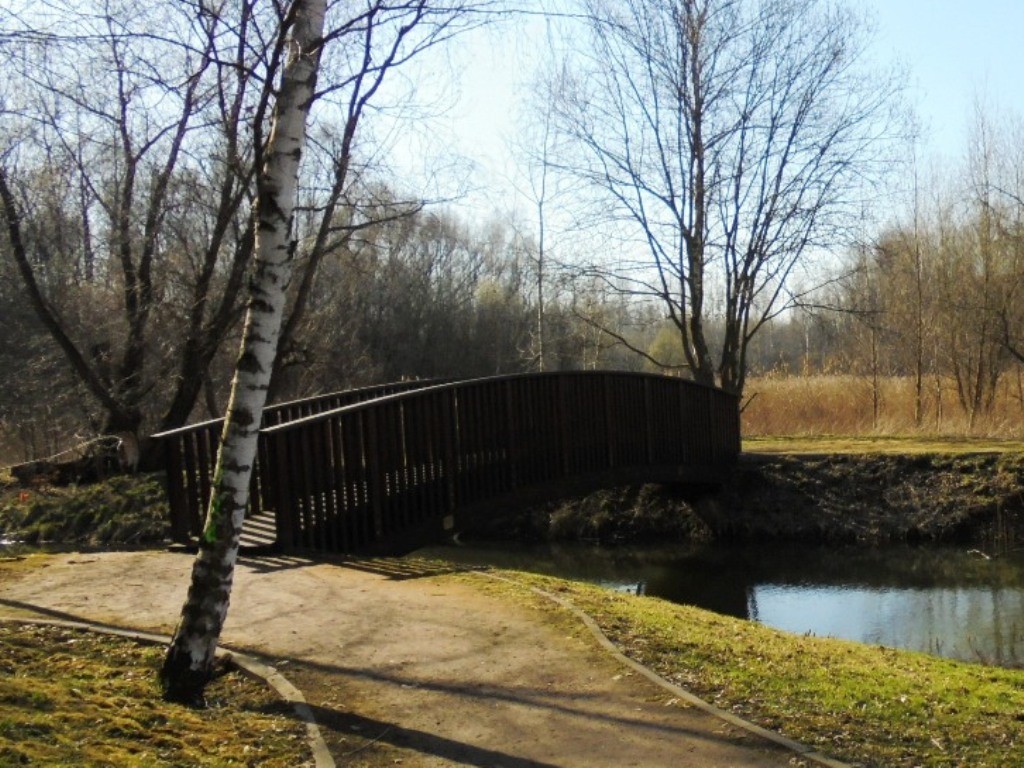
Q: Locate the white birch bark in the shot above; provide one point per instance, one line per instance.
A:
(189, 661)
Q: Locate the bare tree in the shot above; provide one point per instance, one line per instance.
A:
(305, 39)
(943, 283)
(371, 45)
(130, 149)
(128, 162)
(189, 661)
(728, 140)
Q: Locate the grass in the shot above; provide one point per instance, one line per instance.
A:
(844, 405)
(76, 698)
(863, 704)
(121, 510)
(874, 444)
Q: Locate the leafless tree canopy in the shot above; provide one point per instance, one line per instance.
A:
(130, 135)
(706, 153)
(731, 138)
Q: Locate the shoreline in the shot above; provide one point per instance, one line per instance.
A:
(865, 499)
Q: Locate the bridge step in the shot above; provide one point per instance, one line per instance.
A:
(259, 531)
(380, 468)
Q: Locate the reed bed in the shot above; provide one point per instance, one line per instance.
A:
(776, 405)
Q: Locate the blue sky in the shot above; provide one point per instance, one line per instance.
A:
(956, 52)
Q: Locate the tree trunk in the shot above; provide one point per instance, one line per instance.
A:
(189, 661)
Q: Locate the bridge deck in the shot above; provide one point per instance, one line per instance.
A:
(397, 469)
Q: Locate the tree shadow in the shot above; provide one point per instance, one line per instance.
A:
(82, 622)
(392, 568)
(572, 704)
(397, 736)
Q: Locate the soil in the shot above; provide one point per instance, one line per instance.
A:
(871, 499)
(867, 499)
(406, 664)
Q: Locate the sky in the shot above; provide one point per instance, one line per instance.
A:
(955, 54)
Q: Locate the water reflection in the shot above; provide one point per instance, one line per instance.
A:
(942, 601)
(972, 623)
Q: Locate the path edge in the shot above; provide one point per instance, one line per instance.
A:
(249, 665)
(804, 751)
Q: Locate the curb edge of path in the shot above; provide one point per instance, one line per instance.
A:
(249, 665)
(802, 750)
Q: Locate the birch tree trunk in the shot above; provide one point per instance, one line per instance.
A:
(189, 662)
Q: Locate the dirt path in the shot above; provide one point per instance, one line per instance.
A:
(409, 667)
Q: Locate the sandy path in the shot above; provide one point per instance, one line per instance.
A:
(435, 670)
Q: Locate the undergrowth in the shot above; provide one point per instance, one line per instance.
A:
(864, 704)
(76, 698)
(122, 510)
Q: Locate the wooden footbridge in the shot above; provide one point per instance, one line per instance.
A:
(395, 466)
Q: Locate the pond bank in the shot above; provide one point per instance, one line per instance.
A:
(870, 499)
(123, 510)
(973, 499)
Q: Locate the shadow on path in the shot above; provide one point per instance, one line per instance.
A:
(63, 616)
(571, 705)
(377, 731)
(403, 569)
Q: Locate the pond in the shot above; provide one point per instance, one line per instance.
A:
(949, 602)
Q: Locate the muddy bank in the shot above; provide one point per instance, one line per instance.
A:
(120, 511)
(972, 498)
(975, 499)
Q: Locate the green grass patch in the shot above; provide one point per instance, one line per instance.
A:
(77, 698)
(875, 496)
(122, 510)
(863, 704)
(838, 444)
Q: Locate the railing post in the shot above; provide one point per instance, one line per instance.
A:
(335, 488)
(176, 490)
(375, 479)
(449, 416)
(563, 425)
(205, 466)
(609, 437)
(276, 489)
(354, 486)
(194, 499)
(511, 446)
(648, 424)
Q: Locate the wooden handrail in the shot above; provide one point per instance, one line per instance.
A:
(373, 470)
(190, 453)
(275, 414)
(408, 461)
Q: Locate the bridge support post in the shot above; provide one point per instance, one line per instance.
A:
(374, 473)
(449, 428)
(647, 418)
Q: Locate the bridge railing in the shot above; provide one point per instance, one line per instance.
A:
(191, 453)
(363, 474)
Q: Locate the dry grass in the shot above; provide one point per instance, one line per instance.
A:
(77, 698)
(865, 704)
(799, 406)
(894, 445)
